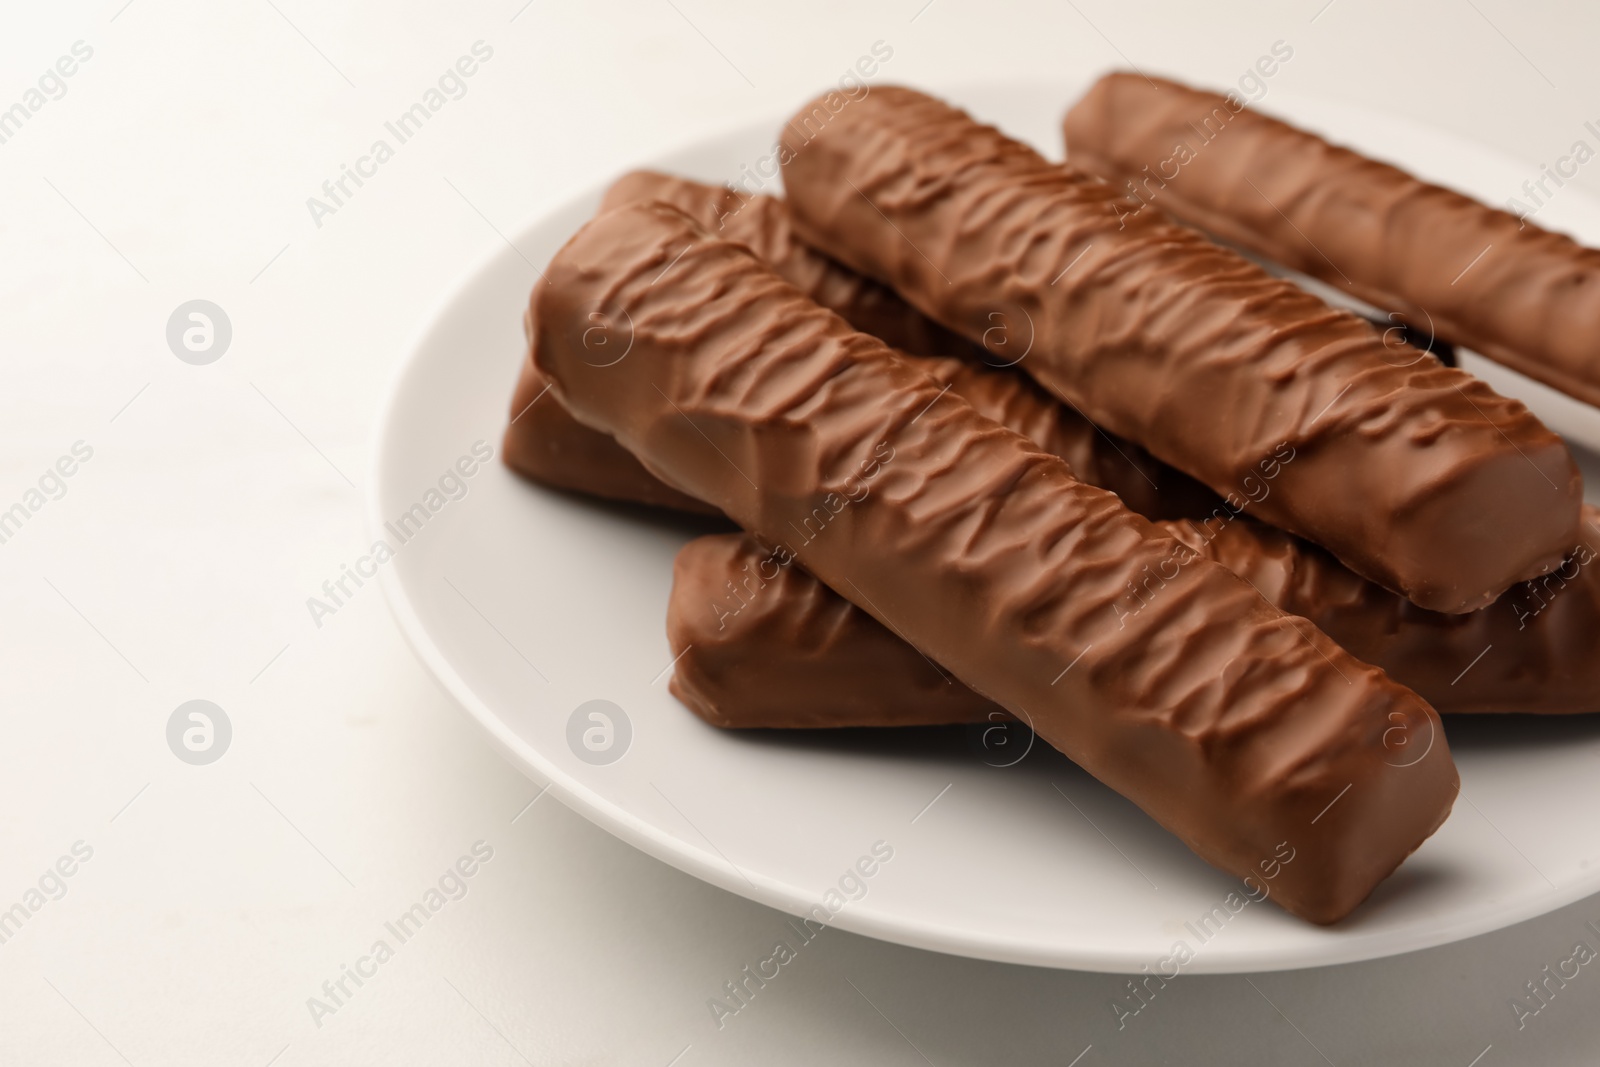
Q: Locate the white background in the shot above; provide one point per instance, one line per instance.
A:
(178, 563)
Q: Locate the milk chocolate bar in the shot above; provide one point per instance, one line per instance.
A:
(1235, 726)
(760, 645)
(1484, 278)
(546, 444)
(1531, 651)
(1418, 477)
(1145, 484)
(761, 223)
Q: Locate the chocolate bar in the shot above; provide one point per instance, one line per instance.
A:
(1417, 476)
(1238, 728)
(761, 223)
(759, 645)
(1145, 484)
(545, 443)
(1474, 275)
(1531, 651)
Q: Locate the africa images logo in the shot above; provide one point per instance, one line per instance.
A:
(452, 485)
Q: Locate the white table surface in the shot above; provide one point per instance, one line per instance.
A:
(177, 564)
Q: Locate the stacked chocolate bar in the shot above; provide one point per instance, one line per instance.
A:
(1003, 440)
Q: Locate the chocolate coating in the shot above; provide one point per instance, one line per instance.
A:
(1145, 484)
(548, 445)
(1475, 275)
(791, 653)
(1418, 477)
(761, 223)
(1533, 650)
(764, 645)
(1236, 727)
(545, 443)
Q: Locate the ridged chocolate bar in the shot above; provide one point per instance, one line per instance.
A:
(548, 445)
(1233, 725)
(1475, 275)
(1143, 483)
(1534, 650)
(761, 643)
(545, 443)
(761, 223)
(757, 645)
(1418, 477)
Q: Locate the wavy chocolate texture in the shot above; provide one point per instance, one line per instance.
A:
(767, 645)
(1533, 650)
(1418, 477)
(1477, 276)
(764, 647)
(1233, 725)
(544, 443)
(548, 445)
(761, 223)
(1145, 484)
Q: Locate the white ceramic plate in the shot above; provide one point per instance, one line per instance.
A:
(527, 604)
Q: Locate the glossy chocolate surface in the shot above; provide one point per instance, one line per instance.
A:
(1417, 476)
(1454, 267)
(799, 655)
